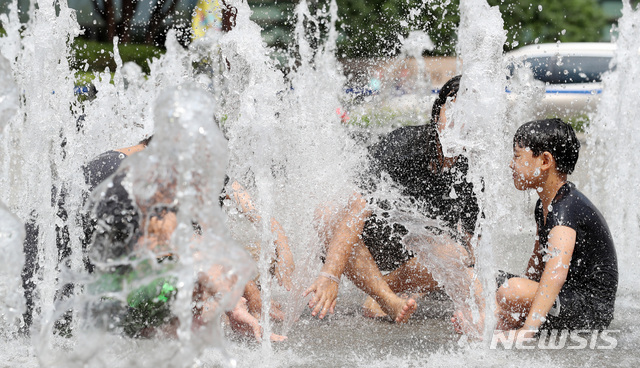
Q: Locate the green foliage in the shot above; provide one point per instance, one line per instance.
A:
(84, 78)
(440, 19)
(376, 27)
(97, 56)
(551, 21)
(372, 27)
(376, 117)
(579, 122)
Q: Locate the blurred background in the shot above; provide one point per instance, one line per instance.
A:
(368, 28)
(369, 45)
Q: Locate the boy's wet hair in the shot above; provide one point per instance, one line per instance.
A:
(450, 89)
(553, 136)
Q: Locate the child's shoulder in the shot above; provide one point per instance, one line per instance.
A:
(569, 197)
(571, 208)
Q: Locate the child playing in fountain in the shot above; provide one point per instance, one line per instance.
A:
(361, 239)
(107, 163)
(145, 217)
(572, 276)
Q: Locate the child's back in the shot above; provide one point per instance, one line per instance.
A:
(572, 276)
(592, 280)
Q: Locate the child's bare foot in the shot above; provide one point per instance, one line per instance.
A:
(277, 338)
(244, 323)
(400, 309)
(407, 310)
(371, 309)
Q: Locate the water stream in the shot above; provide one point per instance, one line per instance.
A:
(280, 137)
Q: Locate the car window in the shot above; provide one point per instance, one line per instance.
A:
(568, 69)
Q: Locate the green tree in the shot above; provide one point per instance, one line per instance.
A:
(551, 21)
(118, 15)
(371, 27)
(375, 27)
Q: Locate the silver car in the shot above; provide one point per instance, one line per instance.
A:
(571, 74)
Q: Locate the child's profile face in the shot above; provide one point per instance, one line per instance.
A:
(525, 167)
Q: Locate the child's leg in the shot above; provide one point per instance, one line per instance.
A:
(243, 322)
(254, 302)
(463, 319)
(513, 300)
(364, 273)
(205, 310)
(410, 277)
(413, 276)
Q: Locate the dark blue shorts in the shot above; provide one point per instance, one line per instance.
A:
(571, 310)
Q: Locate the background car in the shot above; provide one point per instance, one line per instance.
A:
(570, 72)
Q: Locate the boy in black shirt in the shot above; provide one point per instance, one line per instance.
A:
(572, 276)
(365, 241)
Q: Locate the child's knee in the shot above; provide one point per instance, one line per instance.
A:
(502, 295)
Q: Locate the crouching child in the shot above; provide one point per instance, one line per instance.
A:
(572, 276)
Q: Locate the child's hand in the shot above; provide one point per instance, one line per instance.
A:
(325, 293)
(163, 227)
(244, 323)
(159, 232)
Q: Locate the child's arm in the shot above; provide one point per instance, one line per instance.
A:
(535, 265)
(562, 240)
(284, 258)
(339, 251)
(242, 197)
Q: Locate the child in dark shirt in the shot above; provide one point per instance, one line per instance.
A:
(572, 276)
(364, 240)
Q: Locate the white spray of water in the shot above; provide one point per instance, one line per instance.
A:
(40, 142)
(250, 109)
(121, 115)
(287, 146)
(480, 116)
(44, 148)
(11, 229)
(267, 108)
(612, 137)
(186, 162)
(413, 46)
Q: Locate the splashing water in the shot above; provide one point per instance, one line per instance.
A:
(482, 86)
(413, 46)
(612, 144)
(286, 140)
(11, 229)
(183, 167)
(287, 147)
